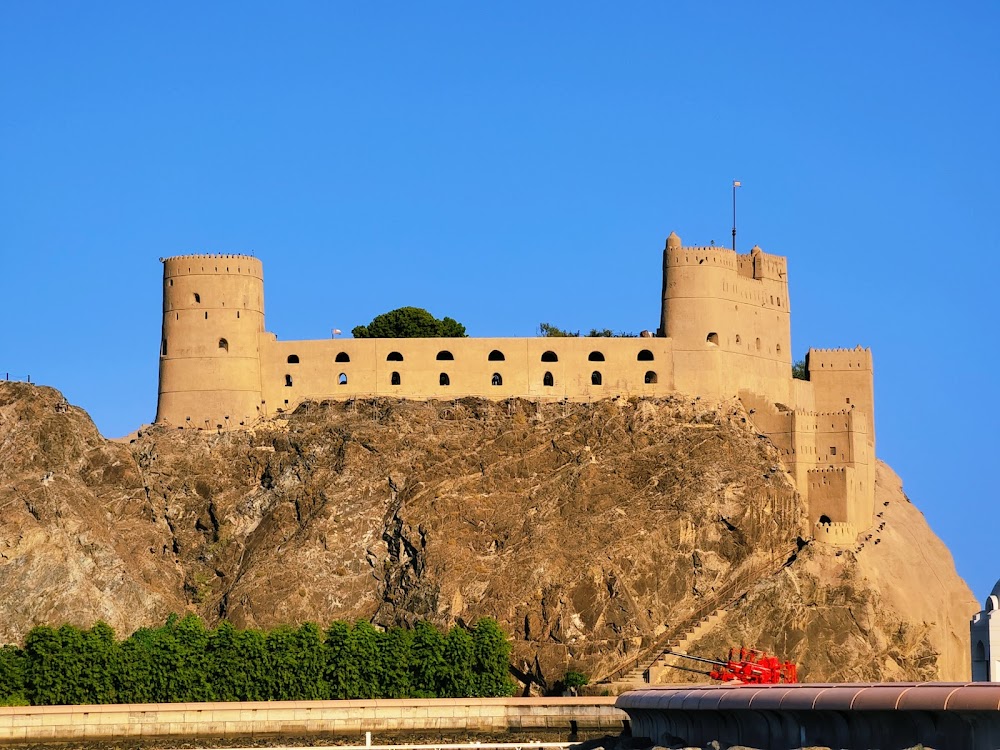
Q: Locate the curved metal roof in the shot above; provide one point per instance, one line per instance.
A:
(886, 696)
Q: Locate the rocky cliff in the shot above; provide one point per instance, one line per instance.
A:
(586, 529)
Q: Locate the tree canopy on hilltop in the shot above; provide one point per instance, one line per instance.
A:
(550, 331)
(409, 323)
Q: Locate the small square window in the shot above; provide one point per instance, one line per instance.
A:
(833, 448)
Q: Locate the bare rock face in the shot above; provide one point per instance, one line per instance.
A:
(585, 529)
(890, 609)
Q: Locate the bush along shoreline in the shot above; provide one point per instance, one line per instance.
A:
(184, 661)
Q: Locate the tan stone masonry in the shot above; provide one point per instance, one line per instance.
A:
(725, 331)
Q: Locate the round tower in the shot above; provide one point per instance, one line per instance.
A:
(213, 315)
(695, 312)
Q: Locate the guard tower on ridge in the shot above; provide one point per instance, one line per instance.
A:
(213, 315)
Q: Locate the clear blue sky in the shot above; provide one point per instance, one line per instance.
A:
(512, 163)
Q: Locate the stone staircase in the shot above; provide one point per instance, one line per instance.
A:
(636, 671)
(641, 675)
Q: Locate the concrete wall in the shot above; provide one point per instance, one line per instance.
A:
(347, 718)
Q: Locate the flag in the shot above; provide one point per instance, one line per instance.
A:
(336, 331)
(736, 183)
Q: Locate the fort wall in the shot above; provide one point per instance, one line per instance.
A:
(842, 378)
(725, 330)
(496, 368)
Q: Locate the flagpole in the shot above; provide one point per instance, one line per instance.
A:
(736, 184)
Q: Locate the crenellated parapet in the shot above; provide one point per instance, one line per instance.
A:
(836, 533)
(216, 264)
(839, 359)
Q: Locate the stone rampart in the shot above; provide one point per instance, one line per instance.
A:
(37, 724)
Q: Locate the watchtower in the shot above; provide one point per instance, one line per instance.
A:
(213, 315)
(728, 316)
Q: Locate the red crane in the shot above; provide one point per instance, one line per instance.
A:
(753, 667)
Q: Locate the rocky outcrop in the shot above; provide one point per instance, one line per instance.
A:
(586, 529)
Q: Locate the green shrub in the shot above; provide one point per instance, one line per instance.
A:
(183, 661)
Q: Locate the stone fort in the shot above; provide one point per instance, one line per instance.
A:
(724, 332)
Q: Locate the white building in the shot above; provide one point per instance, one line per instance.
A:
(985, 632)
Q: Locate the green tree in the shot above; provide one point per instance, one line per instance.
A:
(607, 333)
(43, 677)
(135, 680)
(100, 664)
(308, 663)
(459, 652)
(427, 664)
(228, 665)
(56, 666)
(394, 663)
(550, 331)
(409, 322)
(13, 665)
(282, 657)
(189, 679)
(340, 671)
(363, 647)
(491, 660)
(800, 371)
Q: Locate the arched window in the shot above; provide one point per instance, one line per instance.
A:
(980, 651)
(394, 357)
(445, 355)
(738, 339)
(197, 298)
(288, 381)
(645, 356)
(825, 520)
(595, 378)
(293, 359)
(712, 338)
(342, 357)
(650, 377)
(547, 380)
(342, 379)
(223, 344)
(394, 380)
(496, 356)
(596, 357)
(758, 344)
(444, 379)
(550, 357)
(497, 379)
(777, 348)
